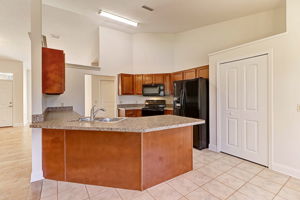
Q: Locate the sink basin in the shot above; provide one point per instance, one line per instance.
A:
(102, 119)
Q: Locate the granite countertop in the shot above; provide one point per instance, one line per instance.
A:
(68, 120)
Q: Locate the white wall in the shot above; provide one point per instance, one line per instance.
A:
(153, 52)
(286, 87)
(78, 35)
(16, 67)
(75, 90)
(115, 51)
(192, 47)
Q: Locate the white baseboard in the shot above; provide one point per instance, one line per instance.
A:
(18, 125)
(36, 176)
(213, 147)
(286, 170)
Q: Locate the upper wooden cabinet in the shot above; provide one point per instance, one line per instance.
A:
(177, 76)
(203, 72)
(133, 84)
(138, 84)
(126, 84)
(147, 79)
(53, 71)
(189, 74)
(158, 79)
(168, 85)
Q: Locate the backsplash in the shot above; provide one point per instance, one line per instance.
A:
(135, 99)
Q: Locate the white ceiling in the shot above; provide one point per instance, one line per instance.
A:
(169, 15)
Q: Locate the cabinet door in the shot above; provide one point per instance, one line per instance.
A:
(147, 78)
(130, 113)
(168, 85)
(177, 76)
(126, 85)
(203, 72)
(189, 74)
(53, 71)
(138, 84)
(158, 78)
(138, 113)
(168, 112)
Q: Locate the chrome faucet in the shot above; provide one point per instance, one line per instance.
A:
(94, 112)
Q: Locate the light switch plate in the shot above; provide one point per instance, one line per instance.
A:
(298, 108)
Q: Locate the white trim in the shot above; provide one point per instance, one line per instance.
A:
(77, 66)
(269, 53)
(19, 124)
(36, 176)
(249, 43)
(286, 170)
(213, 147)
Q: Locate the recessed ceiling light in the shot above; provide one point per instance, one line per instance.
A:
(118, 18)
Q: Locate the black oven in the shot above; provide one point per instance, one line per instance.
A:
(154, 90)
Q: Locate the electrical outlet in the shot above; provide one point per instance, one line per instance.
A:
(298, 108)
(62, 104)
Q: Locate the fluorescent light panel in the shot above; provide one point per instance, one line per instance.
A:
(117, 18)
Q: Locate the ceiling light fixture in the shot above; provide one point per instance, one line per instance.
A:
(117, 18)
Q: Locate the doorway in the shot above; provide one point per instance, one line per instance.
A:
(6, 103)
(102, 92)
(243, 108)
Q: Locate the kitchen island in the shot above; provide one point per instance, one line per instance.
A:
(135, 153)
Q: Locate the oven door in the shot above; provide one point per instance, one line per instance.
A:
(152, 112)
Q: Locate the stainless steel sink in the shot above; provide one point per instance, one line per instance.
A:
(101, 119)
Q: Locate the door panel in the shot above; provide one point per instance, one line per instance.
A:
(106, 98)
(6, 103)
(243, 98)
(232, 132)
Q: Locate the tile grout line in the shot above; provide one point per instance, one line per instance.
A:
(282, 188)
(246, 182)
(87, 191)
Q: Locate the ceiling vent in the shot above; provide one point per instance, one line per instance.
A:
(147, 8)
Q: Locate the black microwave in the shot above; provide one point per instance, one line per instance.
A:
(154, 90)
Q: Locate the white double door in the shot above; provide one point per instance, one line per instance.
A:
(244, 108)
(6, 103)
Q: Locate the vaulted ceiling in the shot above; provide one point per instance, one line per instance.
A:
(168, 15)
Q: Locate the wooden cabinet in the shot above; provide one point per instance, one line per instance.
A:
(158, 78)
(147, 79)
(189, 74)
(129, 113)
(133, 84)
(53, 71)
(138, 84)
(168, 112)
(177, 76)
(168, 85)
(203, 72)
(126, 84)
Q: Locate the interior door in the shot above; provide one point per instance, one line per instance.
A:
(6, 103)
(244, 118)
(106, 98)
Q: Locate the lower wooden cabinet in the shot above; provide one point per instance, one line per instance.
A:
(122, 112)
(129, 113)
(168, 112)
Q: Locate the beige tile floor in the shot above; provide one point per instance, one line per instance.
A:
(215, 176)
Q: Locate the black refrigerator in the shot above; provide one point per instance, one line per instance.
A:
(191, 99)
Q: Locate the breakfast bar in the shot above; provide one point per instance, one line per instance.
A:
(133, 153)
